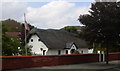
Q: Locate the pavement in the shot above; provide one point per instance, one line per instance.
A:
(96, 66)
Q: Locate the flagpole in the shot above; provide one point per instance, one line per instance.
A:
(25, 35)
(25, 44)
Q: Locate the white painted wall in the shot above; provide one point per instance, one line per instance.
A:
(52, 52)
(83, 50)
(90, 50)
(37, 45)
(55, 52)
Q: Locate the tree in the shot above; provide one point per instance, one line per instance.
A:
(72, 29)
(0, 38)
(102, 24)
(11, 45)
(11, 25)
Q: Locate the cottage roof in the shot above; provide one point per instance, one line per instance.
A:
(57, 39)
(68, 45)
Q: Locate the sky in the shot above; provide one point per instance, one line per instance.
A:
(46, 15)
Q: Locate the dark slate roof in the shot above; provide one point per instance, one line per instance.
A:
(68, 45)
(57, 39)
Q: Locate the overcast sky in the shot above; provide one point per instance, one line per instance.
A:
(53, 14)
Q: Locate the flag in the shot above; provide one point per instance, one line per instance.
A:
(26, 24)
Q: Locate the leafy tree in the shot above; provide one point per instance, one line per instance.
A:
(0, 38)
(11, 25)
(72, 29)
(10, 44)
(102, 24)
(23, 51)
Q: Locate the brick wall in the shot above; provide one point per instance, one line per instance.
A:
(17, 62)
(114, 56)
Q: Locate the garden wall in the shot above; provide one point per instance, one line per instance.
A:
(18, 62)
(114, 56)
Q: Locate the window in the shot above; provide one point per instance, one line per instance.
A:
(59, 52)
(38, 39)
(31, 40)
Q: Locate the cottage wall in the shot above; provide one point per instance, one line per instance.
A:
(83, 50)
(52, 52)
(56, 52)
(37, 45)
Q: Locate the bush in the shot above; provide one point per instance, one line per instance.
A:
(76, 52)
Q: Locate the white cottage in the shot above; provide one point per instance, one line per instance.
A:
(54, 42)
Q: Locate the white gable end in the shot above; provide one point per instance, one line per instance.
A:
(73, 47)
(38, 47)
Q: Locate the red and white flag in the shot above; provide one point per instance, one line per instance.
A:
(26, 24)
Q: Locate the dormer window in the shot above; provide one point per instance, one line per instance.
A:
(31, 40)
(38, 39)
